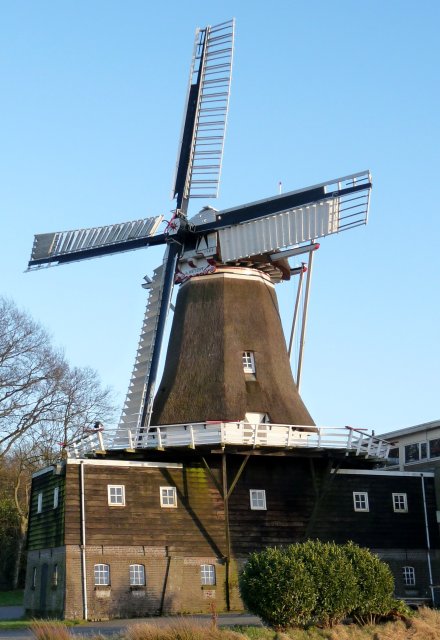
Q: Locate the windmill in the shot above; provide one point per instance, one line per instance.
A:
(250, 243)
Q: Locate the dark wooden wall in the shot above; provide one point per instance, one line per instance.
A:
(46, 529)
(196, 526)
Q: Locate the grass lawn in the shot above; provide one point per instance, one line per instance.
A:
(11, 598)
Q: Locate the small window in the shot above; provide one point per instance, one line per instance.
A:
(423, 451)
(116, 494)
(34, 578)
(40, 502)
(409, 576)
(248, 362)
(137, 575)
(258, 499)
(56, 494)
(434, 448)
(360, 501)
(412, 453)
(55, 575)
(393, 456)
(400, 502)
(168, 497)
(207, 574)
(102, 574)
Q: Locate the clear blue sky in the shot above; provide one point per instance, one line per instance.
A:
(92, 100)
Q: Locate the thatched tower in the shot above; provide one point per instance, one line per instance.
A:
(227, 354)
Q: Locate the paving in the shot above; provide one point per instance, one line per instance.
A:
(112, 627)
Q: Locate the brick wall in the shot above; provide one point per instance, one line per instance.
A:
(173, 583)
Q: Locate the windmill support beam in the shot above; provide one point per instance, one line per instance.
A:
(304, 321)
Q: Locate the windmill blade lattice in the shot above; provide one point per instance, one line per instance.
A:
(200, 154)
(131, 417)
(70, 246)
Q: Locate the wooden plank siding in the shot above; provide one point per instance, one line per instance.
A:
(46, 529)
(196, 527)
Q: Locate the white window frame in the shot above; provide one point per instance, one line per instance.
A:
(40, 502)
(116, 495)
(168, 497)
(409, 576)
(257, 499)
(207, 575)
(248, 361)
(56, 497)
(137, 575)
(360, 501)
(400, 502)
(101, 572)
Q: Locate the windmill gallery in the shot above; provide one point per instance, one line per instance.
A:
(222, 457)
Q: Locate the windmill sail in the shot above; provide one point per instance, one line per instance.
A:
(68, 246)
(131, 417)
(201, 146)
(328, 208)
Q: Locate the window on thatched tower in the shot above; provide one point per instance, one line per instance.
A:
(248, 362)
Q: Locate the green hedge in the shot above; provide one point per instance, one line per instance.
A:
(319, 582)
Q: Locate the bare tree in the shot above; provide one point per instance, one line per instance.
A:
(31, 372)
(44, 406)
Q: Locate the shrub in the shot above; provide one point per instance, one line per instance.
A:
(335, 584)
(318, 581)
(375, 585)
(277, 588)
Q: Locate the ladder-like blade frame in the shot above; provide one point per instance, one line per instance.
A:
(293, 218)
(79, 244)
(130, 421)
(200, 153)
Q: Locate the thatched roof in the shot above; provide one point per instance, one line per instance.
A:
(217, 318)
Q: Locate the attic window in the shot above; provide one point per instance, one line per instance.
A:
(248, 362)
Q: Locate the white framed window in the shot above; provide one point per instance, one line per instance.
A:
(409, 576)
(248, 362)
(102, 574)
(40, 502)
(168, 497)
(257, 499)
(207, 574)
(137, 575)
(116, 494)
(400, 502)
(56, 496)
(360, 501)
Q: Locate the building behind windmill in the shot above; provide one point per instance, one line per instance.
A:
(159, 515)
